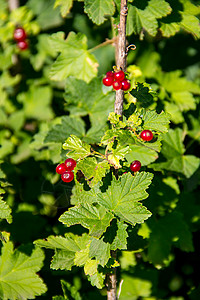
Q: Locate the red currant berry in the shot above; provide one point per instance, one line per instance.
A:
(135, 166)
(146, 135)
(19, 34)
(22, 45)
(117, 85)
(70, 164)
(67, 176)
(61, 168)
(108, 81)
(125, 85)
(119, 76)
(109, 74)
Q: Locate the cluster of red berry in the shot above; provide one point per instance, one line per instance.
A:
(20, 37)
(146, 135)
(117, 80)
(66, 169)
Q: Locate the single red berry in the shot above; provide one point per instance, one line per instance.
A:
(70, 164)
(146, 135)
(19, 34)
(126, 85)
(117, 85)
(22, 45)
(109, 74)
(108, 81)
(61, 168)
(135, 166)
(67, 176)
(119, 75)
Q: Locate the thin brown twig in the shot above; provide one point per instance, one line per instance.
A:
(107, 42)
(13, 4)
(121, 54)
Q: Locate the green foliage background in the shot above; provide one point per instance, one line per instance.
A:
(54, 90)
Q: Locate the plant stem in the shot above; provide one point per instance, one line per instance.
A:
(112, 282)
(120, 57)
(13, 4)
(121, 54)
(107, 42)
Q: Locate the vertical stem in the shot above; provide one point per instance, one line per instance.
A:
(121, 54)
(13, 4)
(112, 282)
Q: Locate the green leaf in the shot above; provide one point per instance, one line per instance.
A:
(46, 15)
(191, 24)
(173, 150)
(184, 100)
(154, 121)
(36, 102)
(82, 257)
(90, 267)
(175, 82)
(18, 278)
(80, 195)
(143, 94)
(176, 115)
(5, 211)
(144, 154)
(98, 9)
(97, 280)
(93, 170)
(140, 17)
(65, 249)
(120, 240)
(100, 251)
(87, 166)
(74, 60)
(173, 143)
(185, 164)
(135, 288)
(89, 99)
(68, 126)
(100, 171)
(168, 230)
(96, 219)
(45, 151)
(44, 52)
(122, 197)
(63, 260)
(70, 291)
(67, 243)
(118, 154)
(77, 148)
(65, 6)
